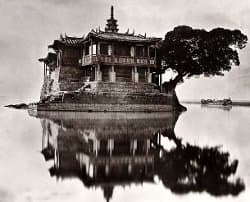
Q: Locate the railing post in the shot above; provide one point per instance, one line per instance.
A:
(98, 73)
(135, 75)
(149, 76)
(112, 75)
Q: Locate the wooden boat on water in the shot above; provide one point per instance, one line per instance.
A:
(223, 102)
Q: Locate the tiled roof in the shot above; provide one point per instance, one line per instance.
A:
(111, 36)
(72, 40)
(124, 37)
(67, 41)
(51, 57)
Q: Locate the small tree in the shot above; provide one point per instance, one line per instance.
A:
(194, 52)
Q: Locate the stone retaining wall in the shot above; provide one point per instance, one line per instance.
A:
(102, 107)
(129, 87)
(70, 86)
(118, 98)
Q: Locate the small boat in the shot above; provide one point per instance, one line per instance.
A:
(223, 102)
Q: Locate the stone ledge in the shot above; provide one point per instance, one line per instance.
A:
(103, 107)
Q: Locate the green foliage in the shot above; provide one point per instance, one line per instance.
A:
(193, 52)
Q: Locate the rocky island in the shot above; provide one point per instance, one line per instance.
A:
(104, 71)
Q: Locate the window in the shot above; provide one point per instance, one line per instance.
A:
(141, 51)
(132, 51)
(151, 52)
(109, 49)
(87, 50)
(94, 49)
(104, 49)
(122, 50)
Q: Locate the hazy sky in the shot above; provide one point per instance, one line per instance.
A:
(28, 26)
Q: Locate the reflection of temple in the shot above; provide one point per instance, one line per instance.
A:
(104, 151)
(108, 150)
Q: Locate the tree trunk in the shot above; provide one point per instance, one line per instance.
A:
(169, 87)
(176, 80)
(177, 106)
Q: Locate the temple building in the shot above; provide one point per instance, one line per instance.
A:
(103, 68)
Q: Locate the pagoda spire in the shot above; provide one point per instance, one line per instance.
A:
(111, 25)
(112, 12)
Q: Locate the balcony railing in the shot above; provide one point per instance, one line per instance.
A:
(88, 59)
(126, 60)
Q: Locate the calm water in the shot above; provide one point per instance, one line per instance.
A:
(202, 154)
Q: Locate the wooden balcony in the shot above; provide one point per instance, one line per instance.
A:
(88, 60)
(117, 60)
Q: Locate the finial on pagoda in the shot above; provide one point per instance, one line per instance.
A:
(112, 12)
(111, 25)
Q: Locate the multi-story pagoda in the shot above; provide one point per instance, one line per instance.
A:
(104, 71)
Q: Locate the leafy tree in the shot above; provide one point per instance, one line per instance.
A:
(193, 52)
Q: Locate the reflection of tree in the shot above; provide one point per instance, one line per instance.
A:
(191, 168)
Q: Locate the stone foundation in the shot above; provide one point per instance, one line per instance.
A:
(101, 107)
(109, 96)
(117, 98)
(122, 87)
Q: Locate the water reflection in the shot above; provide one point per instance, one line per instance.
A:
(110, 149)
(222, 107)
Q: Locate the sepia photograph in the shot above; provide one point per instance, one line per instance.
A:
(124, 100)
